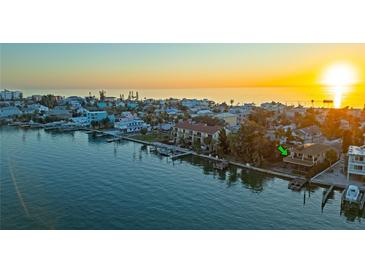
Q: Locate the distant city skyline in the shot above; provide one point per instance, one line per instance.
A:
(155, 67)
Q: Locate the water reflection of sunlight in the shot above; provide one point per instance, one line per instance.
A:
(338, 93)
(338, 78)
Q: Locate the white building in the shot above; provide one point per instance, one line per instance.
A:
(7, 95)
(9, 112)
(130, 124)
(356, 161)
(35, 108)
(96, 115)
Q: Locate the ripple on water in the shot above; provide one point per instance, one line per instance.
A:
(74, 182)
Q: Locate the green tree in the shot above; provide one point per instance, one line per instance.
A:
(210, 121)
(223, 144)
(197, 146)
(144, 131)
(331, 156)
(250, 144)
(208, 141)
(346, 140)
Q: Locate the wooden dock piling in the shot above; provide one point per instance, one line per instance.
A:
(326, 195)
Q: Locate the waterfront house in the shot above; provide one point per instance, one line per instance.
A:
(229, 118)
(190, 132)
(80, 121)
(59, 112)
(9, 112)
(96, 116)
(308, 155)
(356, 161)
(130, 124)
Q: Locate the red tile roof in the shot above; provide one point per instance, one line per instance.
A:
(198, 127)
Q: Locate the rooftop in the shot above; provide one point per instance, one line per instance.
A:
(198, 127)
(313, 149)
(355, 150)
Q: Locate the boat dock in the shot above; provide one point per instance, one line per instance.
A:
(297, 184)
(248, 166)
(362, 202)
(174, 157)
(326, 195)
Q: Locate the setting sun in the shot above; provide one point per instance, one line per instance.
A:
(340, 75)
(338, 79)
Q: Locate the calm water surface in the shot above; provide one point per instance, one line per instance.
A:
(71, 181)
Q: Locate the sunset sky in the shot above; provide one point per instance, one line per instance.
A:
(42, 66)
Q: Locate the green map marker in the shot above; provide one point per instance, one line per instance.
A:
(283, 151)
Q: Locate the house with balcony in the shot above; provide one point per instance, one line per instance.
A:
(130, 124)
(356, 162)
(306, 156)
(191, 132)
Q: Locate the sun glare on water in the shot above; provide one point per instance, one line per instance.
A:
(338, 79)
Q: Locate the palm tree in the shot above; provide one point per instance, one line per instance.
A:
(232, 101)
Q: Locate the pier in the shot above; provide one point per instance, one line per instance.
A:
(362, 203)
(297, 184)
(326, 195)
(248, 166)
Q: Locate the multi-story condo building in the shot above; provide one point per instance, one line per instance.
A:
(96, 115)
(356, 161)
(190, 132)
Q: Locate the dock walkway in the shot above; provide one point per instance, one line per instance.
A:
(247, 166)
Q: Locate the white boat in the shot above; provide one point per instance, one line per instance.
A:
(352, 194)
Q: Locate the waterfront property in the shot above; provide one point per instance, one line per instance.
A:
(96, 116)
(190, 132)
(356, 161)
(108, 191)
(60, 112)
(130, 124)
(306, 156)
(9, 112)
